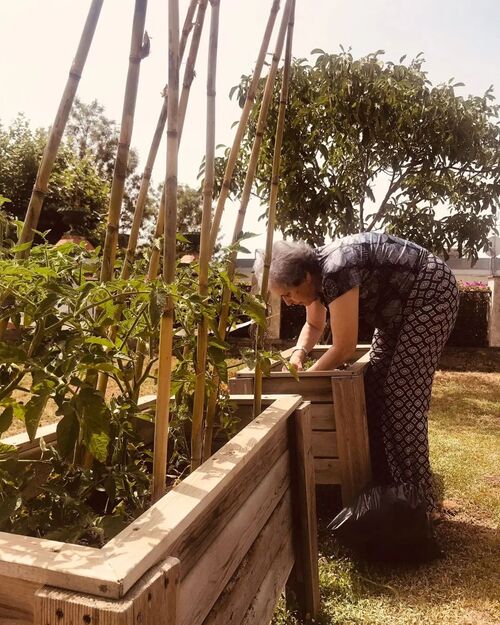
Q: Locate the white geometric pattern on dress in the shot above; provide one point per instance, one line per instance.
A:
(398, 381)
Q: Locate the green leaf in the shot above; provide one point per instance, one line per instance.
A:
(10, 354)
(107, 367)
(324, 151)
(8, 506)
(255, 310)
(20, 248)
(115, 523)
(47, 303)
(216, 354)
(98, 340)
(6, 419)
(110, 487)
(154, 308)
(33, 411)
(67, 433)
(94, 422)
(7, 450)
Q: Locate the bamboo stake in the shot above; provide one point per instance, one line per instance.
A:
(154, 263)
(240, 132)
(154, 260)
(155, 253)
(252, 166)
(271, 221)
(139, 49)
(142, 198)
(266, 99)
(139, 211)
(193, 53)
(167, 320)
(55, 135)
(153, 152)
(197, 452)
(56, 132)
(187, 27)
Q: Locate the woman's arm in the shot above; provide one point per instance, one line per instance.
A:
(310, 333)
(344, 313)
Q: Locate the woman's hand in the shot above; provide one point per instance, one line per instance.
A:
(297, 359)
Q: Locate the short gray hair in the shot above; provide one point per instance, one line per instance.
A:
(291, 262)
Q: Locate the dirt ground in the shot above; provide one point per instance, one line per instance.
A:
(486, 359)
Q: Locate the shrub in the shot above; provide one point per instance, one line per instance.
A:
(471, 328)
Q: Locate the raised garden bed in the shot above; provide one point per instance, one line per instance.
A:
(218, 548)
(338, 417)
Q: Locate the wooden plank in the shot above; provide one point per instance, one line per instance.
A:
(146, 401)
(262, 607)
(156, 533)
(246, 399)
(243, 407)
(216, 564)
(352, 436)
(17, 601)
(315, 388)
(43, 561)
(322, 422)
(322, 416)
(361, 363)
(236, 598)
(241, 385)
(324, 444)
(152, 601)
(279, 373)
(327, 471)
(319, 349)
(306, 575)
(31, 449)
(204, 528)
(100, 572)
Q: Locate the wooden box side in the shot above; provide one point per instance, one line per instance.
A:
(112, 571)
(357, 364)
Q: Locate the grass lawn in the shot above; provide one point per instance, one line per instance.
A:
(464, 587)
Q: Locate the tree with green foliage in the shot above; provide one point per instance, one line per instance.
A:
(372, 145)
(189, 205)
(80, 182)
(77, 197)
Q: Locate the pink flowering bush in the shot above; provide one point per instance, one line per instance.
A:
(475, 285)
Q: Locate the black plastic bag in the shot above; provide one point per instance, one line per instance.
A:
(387, 523)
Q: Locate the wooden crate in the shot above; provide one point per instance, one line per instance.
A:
(338, 415)
(218, 548)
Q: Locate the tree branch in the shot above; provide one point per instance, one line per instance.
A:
(381, 210)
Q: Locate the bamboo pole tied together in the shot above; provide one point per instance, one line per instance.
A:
(197, 451)
(139, 49)
(273, 200)
(252, 167)
(169, 258)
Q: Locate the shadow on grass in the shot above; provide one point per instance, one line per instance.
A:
(468, 572)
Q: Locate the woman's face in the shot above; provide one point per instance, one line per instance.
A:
(303, 294)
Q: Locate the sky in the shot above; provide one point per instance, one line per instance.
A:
(38, 39)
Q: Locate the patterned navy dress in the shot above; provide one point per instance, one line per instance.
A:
(411, 297)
